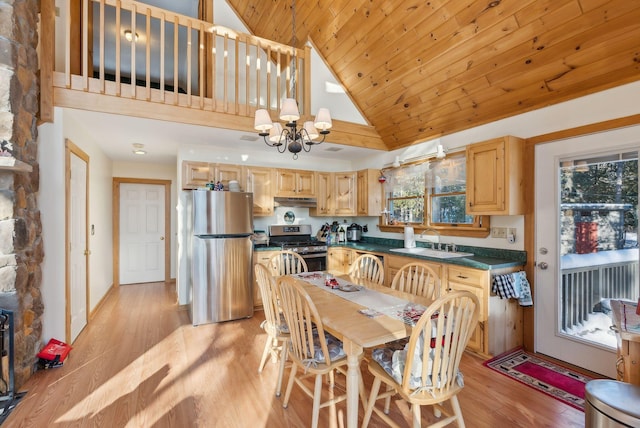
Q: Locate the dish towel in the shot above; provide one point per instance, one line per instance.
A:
(523, 288)
(503, 286)
(513, 286)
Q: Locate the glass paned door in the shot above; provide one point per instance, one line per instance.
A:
(586, 244)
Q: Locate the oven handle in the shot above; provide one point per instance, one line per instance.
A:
(313, 255)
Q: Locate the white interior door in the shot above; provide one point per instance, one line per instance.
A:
(142, 225)
(77, 236)
(580, 260)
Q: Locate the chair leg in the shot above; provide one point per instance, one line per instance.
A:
(265, 353)
(375, 387)
(283, 361)
(332, 379)
(317, 395)
(292, 378)
(363, 392)
(415, 411)
(457, 411)
(387, 401)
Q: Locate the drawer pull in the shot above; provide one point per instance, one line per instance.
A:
(462, 276)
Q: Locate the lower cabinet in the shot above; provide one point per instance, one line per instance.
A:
(339, 260)
(260, 257)
(394, 263)
(500, 325)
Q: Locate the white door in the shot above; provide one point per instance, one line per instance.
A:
(142, 246)
(586, 244)
(77, 235)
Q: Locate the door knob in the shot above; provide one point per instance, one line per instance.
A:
(162, 238)
(543, 265)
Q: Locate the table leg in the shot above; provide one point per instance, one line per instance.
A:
(353, 352)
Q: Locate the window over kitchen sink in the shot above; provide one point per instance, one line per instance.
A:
(431, 195)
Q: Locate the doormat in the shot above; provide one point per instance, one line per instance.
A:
(549, 378)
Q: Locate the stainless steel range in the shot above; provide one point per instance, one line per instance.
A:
(298, 238)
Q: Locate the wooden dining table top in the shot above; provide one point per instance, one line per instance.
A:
(342, 319)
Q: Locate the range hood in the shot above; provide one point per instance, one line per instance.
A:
(279, 201)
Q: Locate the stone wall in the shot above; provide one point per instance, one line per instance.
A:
(21, 250)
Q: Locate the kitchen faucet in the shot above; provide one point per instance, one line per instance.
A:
(435, 232)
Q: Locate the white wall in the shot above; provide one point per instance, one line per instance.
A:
(52, 216)
(51, 200)
(156, 172)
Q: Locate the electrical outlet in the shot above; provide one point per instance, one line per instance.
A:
(511, 235)
(498, 232)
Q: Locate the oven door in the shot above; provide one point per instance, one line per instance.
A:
(315, 261)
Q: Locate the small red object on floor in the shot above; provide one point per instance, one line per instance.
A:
(53, 349)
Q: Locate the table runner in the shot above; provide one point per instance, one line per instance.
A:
(386, 304)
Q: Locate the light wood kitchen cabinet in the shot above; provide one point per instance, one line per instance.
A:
(299, 183)
(369, 193)
(500, 325)
(260, 257)
(324, 195)
(224, 173)
(261, 182)
(196, 174)
(495, 181)
(339, 260)
(344, 193)
(394, 263)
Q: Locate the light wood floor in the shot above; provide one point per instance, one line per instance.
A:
(140, 363)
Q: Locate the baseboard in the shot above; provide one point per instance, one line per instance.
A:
(101, 302)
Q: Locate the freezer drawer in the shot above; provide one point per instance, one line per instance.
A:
(222, 279)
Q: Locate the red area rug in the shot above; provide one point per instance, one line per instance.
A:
(559, 382)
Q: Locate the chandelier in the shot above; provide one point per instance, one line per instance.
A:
(291, 137)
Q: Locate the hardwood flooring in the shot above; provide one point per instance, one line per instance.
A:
(140, 363)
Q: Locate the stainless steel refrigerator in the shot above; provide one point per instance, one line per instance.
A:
(221, 256)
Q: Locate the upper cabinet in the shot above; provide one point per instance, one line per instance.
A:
(324, 195)
(345, 193)
(369, 200)
(299, 183)
(196, 174)
(495, 183)
(225, 173)
(260, 181)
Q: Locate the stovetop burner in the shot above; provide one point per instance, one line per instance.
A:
(296, 238)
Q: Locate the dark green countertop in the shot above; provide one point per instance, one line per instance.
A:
(483, 258)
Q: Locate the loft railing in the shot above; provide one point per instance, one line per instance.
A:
(174, 59)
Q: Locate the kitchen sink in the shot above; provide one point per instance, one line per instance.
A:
(429, 252)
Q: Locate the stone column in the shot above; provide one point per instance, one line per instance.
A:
(21, 250)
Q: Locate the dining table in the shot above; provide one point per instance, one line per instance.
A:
(362, 314)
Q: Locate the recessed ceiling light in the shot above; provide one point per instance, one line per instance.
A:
(138, 149)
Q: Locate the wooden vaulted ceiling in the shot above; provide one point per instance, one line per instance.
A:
(422, 69)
